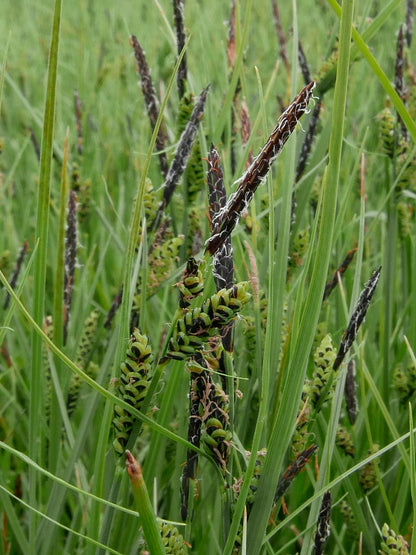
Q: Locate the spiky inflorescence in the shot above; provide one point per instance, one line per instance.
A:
(293, 470)
(323, 528)
(182, 153)
(16, 271)
(392, 543)
(70, 256)
(216, 436)
(323, 360)
(333, 282)
(409, 21)
(200, 323)
(134, 383)
(386, 122)
(199, 379)
(191, 284)
(351, 400)
(349, 520)
(78, 118)
(344, 440)
(368, 474)
(178, 15)
(48, 329)
(161, 262)
(405, 215)
(300, 243)
(227, 219)
(194, 176)
(150, 101)
(280, 36)
(357, 317)
(301, 434)
(82, 358)
(172, 540)
(398, 76)
(223, 263)
(404, 381)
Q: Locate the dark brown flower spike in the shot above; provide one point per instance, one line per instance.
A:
(409, 21)
(280, 35)
(332, 283)
(183, 150)
(357, 317)
(293, 470)
(78, 115)
(350, 390)
(178, 16)
(70, 255)
(150, 101)
(323, 528)
(16, 272)
(226, 220)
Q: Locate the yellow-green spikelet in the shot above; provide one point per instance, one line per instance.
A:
(172, 540)
(323, 360)
(368, 474)
(200, 323)
(392, 543)
(386, 130)
(133, 386)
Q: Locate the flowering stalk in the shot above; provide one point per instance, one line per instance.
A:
(226, 220)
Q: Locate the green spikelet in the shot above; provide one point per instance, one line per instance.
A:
(162, 261)
(194, 175)
(172, 540)
(405, 217)
(81, 359)
(300, 245)
(344, 440)
(87, 340)
(401, 383)
(186, 105)
(150, 202)
(411, 371)
(215, 435)
(323, 360)
(258, 469)
(368, 475)
(75, 178)
(407, 179)
(301, 434)
(386, 130)
(191, 284)
(392, 543)
(133, 386)
(200, 323)
(349, 520)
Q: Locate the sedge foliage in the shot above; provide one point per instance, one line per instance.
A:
(234, 390)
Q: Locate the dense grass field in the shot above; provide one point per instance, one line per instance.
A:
(208, 261)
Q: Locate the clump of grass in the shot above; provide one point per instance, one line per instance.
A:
(234, 420)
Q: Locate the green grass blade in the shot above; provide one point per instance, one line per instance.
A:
(42, 224)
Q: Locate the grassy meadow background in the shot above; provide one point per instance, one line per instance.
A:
(63, 488)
